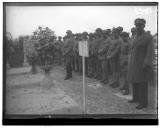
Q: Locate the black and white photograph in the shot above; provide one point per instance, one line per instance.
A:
(90, 60)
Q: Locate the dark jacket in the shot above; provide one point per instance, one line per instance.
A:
(141, 54)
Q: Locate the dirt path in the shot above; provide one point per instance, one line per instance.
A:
(26, 95)
(103, 100)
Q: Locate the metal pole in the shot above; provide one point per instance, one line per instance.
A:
(84, 93)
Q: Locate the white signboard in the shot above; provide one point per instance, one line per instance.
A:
(83, 48)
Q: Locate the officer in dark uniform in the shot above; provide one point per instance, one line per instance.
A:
(68, 51)
(141, 64)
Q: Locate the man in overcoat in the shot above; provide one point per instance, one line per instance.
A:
(141, 64)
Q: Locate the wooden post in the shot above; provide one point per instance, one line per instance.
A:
(83, 51)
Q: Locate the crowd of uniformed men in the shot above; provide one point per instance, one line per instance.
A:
(112, 53)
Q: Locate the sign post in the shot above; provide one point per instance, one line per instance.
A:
(84, 90)
(83, 51)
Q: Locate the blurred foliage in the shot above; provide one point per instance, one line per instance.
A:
(14, 51)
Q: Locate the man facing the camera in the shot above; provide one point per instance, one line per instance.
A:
(141, 64)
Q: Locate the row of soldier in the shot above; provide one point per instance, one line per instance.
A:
(112, 53)
(108, 55)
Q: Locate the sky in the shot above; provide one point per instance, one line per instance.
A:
(24, 20)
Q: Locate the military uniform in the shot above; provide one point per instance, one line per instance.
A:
(97, 64)
(124, 61)
(76, 56)
(102, 56)
(141, 65)
(113, 56)
(96, 44)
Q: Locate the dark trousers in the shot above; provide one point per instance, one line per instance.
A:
(69, 69)
(73, 63)
(140, 92)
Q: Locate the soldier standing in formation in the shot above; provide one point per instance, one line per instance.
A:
(124, 61)
(102, 55)
(113, 55)
(141, 64)
(76, 53)
(98, 40)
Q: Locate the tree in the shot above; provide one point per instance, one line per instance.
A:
(44, 47)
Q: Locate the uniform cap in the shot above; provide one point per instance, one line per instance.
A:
(120, 29)
(69, 31)
(133, 29)
(125, 34)
(139, 21)
(114, 30)
(98, 30)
